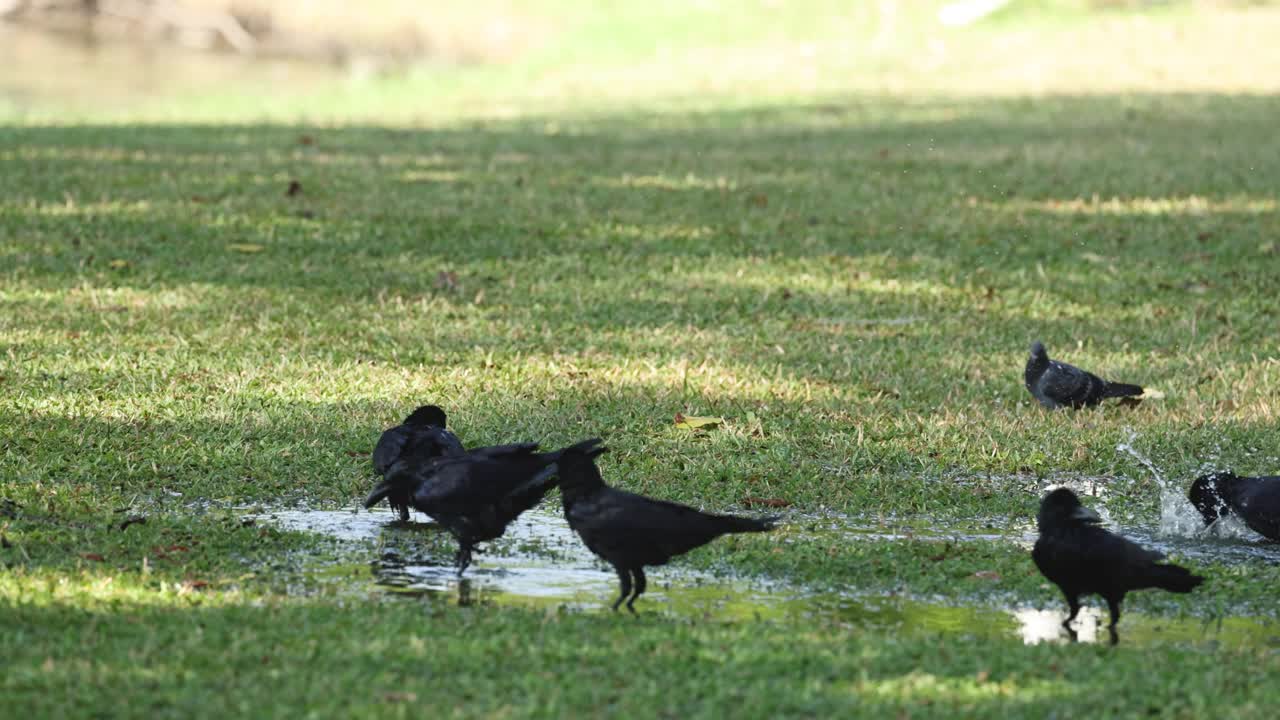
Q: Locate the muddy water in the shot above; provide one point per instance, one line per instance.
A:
(541, 564)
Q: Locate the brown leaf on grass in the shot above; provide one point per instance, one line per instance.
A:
(750, 501)
(759, 200)
(197, 584)
(446, 280)
(983, 676)
(987, 575)
(295, 189)
(400, 697)
(246, 248)
(306, 140)
(93, 556)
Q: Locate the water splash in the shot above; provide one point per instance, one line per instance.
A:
(1178, 517)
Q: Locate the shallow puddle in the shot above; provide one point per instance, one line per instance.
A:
(541, 563)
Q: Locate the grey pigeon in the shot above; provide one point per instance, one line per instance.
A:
(1056, 384)
(1081, 558)
(474, 495)
(426, 426)
(1256, 500)
(630, 531)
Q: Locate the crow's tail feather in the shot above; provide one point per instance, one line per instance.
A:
(1174, 578)
(1122, 390)
(586, 447)
(381, 491)
(737, 524)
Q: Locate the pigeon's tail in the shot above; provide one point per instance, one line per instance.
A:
(737, 524)
(1114, 390)
(1173, 578)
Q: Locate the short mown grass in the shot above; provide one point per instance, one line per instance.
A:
(848, 275)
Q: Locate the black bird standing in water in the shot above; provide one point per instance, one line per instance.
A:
(1256, 500)
(1056, 384)
(1081, 558)
(630, 531)
(427, 426)
(474, 495)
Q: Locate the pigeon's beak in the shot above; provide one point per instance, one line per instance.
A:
(1084, 514)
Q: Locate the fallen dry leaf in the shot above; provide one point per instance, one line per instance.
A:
(987, 575)
(118, 264)
(247, 248)
(93, 556)
(446, 280)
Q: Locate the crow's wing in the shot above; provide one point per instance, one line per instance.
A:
(465, 483)
(618, 523)
(389, 447)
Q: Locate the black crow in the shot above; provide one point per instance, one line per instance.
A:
(1081, 558)
(427, 423)
(1056, 384)
(631, 531)
(474, 495)
(1255, 499)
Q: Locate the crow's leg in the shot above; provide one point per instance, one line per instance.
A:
(1073, 604)
(404, 513)
(624, 578)
(464, 593)
(1113, 605)
(640, 587)
(463, 559)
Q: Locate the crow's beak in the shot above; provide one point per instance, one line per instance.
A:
(381, 491)
(1084, 514)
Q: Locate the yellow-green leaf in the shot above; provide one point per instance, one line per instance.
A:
(697, 423)
(118, 264)
(245, 248)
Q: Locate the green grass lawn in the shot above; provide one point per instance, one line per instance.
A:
(847, 267)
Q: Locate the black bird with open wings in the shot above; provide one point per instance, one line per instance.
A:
(631, 531)
(426, 425)
(1255, 500)
(474, 495)
(1081, 558)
